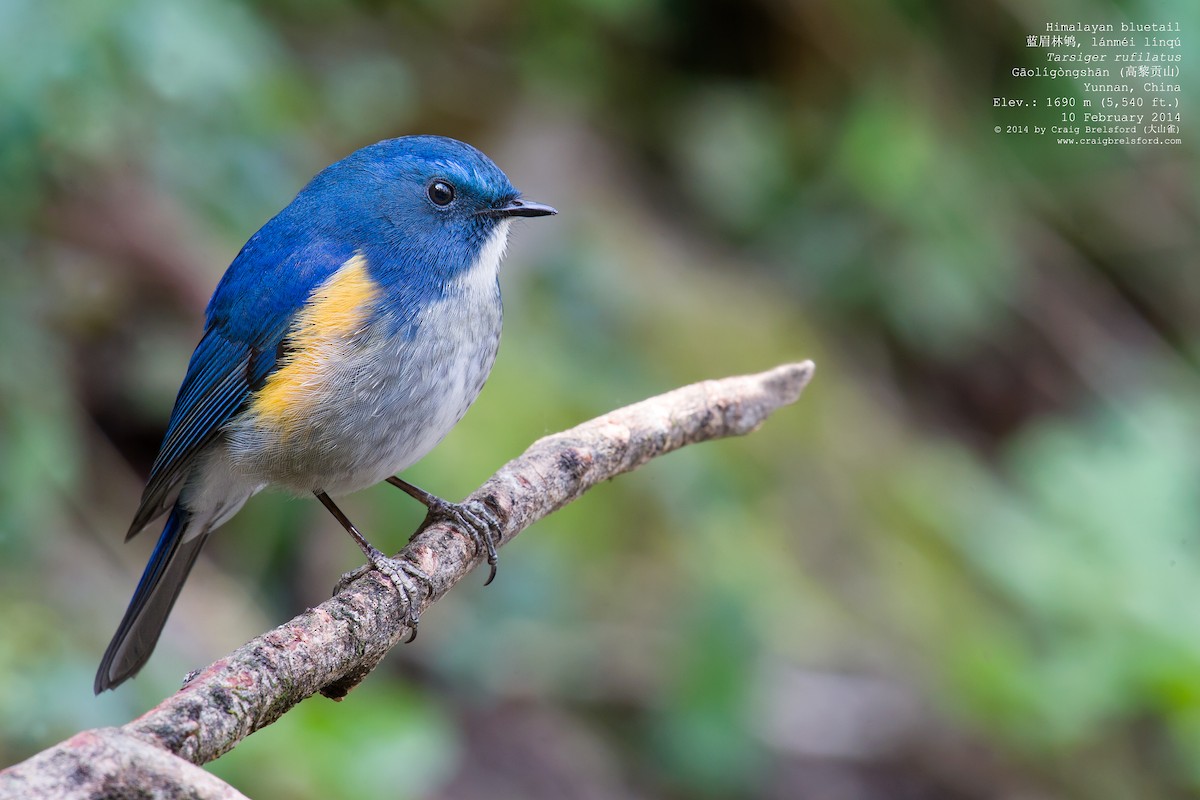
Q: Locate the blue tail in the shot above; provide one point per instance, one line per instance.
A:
(143, 622)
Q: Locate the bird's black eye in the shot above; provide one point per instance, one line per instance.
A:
(441, 193)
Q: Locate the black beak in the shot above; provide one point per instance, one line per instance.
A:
(520, 208)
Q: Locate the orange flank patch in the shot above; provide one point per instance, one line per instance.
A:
(318, 339)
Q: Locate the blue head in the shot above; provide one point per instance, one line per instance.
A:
(422, 210)
(418, 206)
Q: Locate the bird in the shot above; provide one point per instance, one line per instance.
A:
(347, 338)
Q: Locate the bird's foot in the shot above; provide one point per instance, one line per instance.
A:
(409, 580)
(474, 517)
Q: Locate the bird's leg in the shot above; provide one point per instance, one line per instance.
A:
(403, 574)
(474, 517)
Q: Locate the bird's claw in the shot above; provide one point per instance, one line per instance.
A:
(407, 578)
(476, 519)
(350, 577)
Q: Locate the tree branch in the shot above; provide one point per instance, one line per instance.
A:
(330, 648)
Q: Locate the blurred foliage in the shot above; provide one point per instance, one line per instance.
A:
(965, 565)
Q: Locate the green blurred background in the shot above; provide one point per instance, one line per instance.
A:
(965, 565)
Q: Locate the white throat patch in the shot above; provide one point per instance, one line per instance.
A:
(480, 278)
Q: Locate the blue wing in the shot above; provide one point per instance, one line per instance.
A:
(246, 326)
(216, 385)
